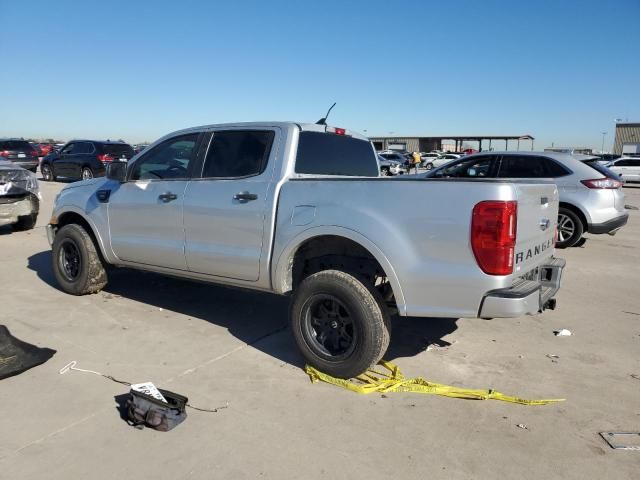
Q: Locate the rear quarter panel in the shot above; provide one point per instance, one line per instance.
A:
(420, 228)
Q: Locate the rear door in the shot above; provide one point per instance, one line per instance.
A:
(145, 213)
(225, 209)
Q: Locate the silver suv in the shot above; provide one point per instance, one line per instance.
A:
(591, 196)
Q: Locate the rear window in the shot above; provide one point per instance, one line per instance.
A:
(16, 145)
(116, 149)
(330, 154)
(593, 163)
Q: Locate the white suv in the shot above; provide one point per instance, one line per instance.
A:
(627, 167)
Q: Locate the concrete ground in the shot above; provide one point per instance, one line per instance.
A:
(219, 346)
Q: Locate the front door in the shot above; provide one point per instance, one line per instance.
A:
(225, 210)
(145, 213)
(62, 165)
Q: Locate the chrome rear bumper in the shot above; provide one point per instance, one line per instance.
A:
(527, 297)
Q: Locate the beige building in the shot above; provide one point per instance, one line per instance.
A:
(627, 135)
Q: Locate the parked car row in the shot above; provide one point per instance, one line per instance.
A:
(591, 196)
(83, 159)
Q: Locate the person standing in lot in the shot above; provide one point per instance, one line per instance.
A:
(416, 161)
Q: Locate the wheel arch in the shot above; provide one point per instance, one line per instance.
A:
(321, 241)
(578, 211)
(72, 217)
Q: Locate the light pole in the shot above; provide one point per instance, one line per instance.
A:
(602, 148)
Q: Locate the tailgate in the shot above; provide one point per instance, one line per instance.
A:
(537, 222)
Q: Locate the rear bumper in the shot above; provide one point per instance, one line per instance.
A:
(28, 164)
(608, 227)
(527, 297)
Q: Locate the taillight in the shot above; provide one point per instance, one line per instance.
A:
(602, 183)
(340, 131)
(493, 235)
(105, 158)
(4, 153)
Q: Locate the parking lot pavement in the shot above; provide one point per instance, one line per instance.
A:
(219, 345)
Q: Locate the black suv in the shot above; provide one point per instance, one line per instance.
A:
(83, 159)
(20, 152)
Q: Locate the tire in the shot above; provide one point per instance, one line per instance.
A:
(26, 222)
(385, 172)
(317, 316)
(77, 265)
(47, 173)
(429, 166)
(86, 173)
(570, 228)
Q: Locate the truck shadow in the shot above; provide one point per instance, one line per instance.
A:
(256, 318)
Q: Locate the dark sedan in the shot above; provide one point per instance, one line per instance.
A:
(84, 159)
(20, 153)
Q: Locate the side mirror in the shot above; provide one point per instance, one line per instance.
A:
(117, 171)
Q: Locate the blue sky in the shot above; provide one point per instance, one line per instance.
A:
(559, 70)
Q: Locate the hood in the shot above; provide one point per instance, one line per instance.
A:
(15, 180)
(86, 183)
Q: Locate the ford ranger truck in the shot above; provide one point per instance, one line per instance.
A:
(300, 210)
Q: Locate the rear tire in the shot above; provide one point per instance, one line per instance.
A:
(385, 172)
(570, 228)
(77, 265)
(26, 222)
(340, 324)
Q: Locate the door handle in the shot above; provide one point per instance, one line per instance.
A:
(167, 197)
(244, 197)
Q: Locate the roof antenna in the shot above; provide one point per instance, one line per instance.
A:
(323, 120)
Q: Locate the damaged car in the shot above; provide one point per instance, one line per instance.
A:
(19, 196)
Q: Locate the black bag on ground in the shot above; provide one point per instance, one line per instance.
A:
(145, 411)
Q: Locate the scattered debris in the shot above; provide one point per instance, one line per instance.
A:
(631, 439)
(630, 207)
(428, 344)
(562, 333)
(522, 426)
(554, 358)
(387, 378)
(635, 375)
(631, 313)
(520, 356)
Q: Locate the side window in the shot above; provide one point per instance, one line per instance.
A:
(238, 153)
(81, 147)
(68, 149)
(470, 168)
(554, 169)
(169, 160)
(522, 166)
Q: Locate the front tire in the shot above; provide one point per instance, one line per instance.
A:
(570, 228)
(87, 173)
(47, 173)
(385, 172)
(77, 265)
(340, 324)
(429, 166)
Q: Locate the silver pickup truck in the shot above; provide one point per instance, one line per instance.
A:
(295, 209)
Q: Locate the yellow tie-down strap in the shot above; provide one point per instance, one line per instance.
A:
(373, 381)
